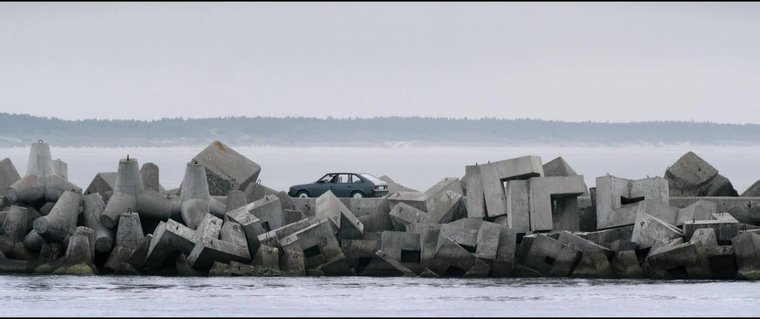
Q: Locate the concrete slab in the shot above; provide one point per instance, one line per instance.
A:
(648, 229)
(518, 205)
(559, 191)
(494, 174)
(558, 167)
(488, 240)
(476, 205)
(617, 198)
(226, 169)
(403, 214)
(699, 210)
(343, 221)
(551, 257)
(446, 207)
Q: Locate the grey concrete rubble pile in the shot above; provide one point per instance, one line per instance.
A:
(515, 217)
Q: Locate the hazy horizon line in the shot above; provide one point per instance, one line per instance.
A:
(329, 117)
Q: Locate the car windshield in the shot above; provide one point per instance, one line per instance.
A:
(372, 179)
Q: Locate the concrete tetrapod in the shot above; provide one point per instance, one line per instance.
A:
(41, 181)
(130, 194)
(195, 198)
(93, 208)
(62, 220)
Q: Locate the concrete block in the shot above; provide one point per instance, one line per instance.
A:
(194, 196)
(699, 210)
(268, 257)
(251, 226)
(648, 229)
(560, 192)
(476, 205)
(395, 263)
(479, 269)
(551, 257)
(446, 207)
(60, 168)
(584, 245)
(207, 251)
(290, 216)
(379, 219)
(256, 191)
(403, 214)
(471, 223)
(102, 183)
(747, 251)
(130, 195)
(149, 174)
(626, 265)
(62, 220)
(292, 260)
(505, 253)
(402, 246)
(33, 241)
(725, 229)
(451, 258)
(169, 239)
(283, 232)
(41, 181)
(343, 221)
(93, 207)
(232, 232)
(693, 176)
(558, 167)
(494, 174)
(465, 237)
(415, 199)
(617, 198)
(593, 264)
(235, 199)
(428, 247)
(518, 205)
(226, 169)
(420, 227)
(318, 242)
(690, 256)
(752, 191)
(393, 186)
(78, 249)
(8, 173)
(359, 252)
(129, 233)
(489, 235)
(607, 236)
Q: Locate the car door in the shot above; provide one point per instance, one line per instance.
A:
(321, 188)
(342, 187)
(360, 184)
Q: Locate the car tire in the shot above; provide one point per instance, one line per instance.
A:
(357, 194)
(302, 194)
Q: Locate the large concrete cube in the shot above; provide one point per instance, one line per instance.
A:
(226, 169)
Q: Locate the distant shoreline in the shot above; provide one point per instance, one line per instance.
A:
(21, 130)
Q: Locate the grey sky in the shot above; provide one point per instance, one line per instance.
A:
(563, 61)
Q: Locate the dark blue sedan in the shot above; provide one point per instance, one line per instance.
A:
(342, 185)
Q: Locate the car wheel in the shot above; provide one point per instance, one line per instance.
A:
(303, 194)
(357, 195)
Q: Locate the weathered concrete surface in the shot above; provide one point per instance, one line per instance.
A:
(130, 195)
(403, 214)
(691, 175)
(745, 209)
(41, 181)
(518, 205)
(343, 221)
(752, 191)
(62, 220)
(93, 207)
(647, 230)
(393, 186)
(8, 173)
(194, 196)
(103, 183)
(559, 191)
(226, 169)
(616, 198)
(558, 167)
(494, 174)
(317, 244)
(551, 257)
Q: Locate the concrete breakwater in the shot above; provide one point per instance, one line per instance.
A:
(515, 217)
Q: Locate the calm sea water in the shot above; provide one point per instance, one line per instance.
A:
(415, 167)
(364, 296)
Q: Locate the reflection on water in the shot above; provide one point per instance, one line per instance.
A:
(365, 296)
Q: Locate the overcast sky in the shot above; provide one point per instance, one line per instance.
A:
(560, 61)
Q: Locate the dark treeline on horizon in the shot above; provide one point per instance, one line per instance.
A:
(21, 129)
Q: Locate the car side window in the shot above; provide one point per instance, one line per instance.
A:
(342, 178)
(327, 179)
(355, 179)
